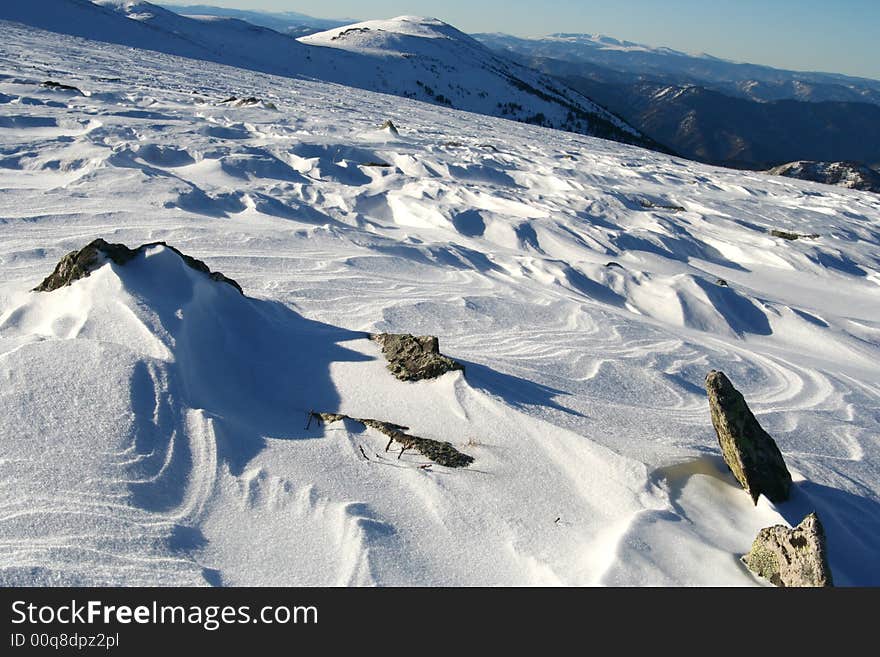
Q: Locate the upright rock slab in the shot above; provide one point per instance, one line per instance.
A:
(749, 451)
(791, 557)
(414, 358)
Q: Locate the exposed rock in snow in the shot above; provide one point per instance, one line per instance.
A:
(250, 101)
(792, 556)
(389, 126)
(412, 358)
(57, 86)
(442, 453)
(79, 264)
(852, 175)
(749, 451)
(788, 235)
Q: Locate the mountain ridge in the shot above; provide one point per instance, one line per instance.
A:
(478, 80)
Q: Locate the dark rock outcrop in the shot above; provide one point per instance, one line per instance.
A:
(250, 101)
(749, 451)
(441, 453)
(390, 127)
(852, 175)
(79, 264)
(414, 358)
(651, 205)
(57, 86)
(791, 557)
(786, 235)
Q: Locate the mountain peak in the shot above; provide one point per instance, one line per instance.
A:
(381, 33)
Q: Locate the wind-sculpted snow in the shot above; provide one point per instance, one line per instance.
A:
(154, 423)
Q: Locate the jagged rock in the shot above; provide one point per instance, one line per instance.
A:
(414, 358)
(57, 86)
(250, 101)
(749, 451)
(784, 234)
(791, 557)
(79, 264)
(650, 205)
(853, 175)
(440, 452)
(390, 127)
(351, 30)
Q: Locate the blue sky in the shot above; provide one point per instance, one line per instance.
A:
(841, 36)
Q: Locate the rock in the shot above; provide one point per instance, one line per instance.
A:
(651, 205)
(749, 451)
(349, 31)
(721, 282)
(441, 453)
(390, 127)
(614, 264)
(791, 557)
(414, 358)
(853, 175)
(250, 101)
(784, 234)
(57, 86)
(79, 264)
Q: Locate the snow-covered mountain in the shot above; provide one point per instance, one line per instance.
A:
(426, 59)
(851, 175)
(155, 422)
(408, 56)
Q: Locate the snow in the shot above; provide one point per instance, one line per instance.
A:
(153, 422)
(408, 56)
(604, 42)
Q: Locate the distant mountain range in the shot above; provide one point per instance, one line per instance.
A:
(710, 109)
(638, 62)
(709, 126)
(286, 22)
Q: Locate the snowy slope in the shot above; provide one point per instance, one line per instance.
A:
(412, 57)
(426, 59)
(153, 421)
